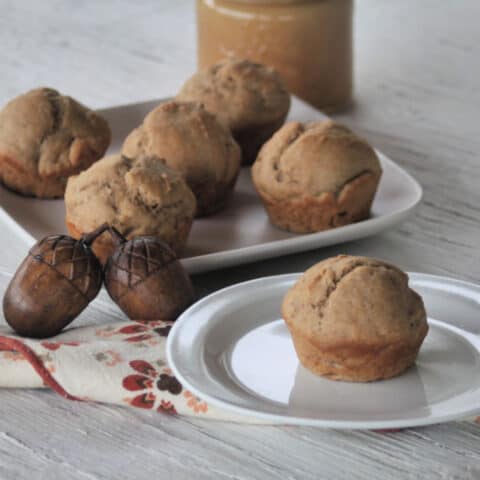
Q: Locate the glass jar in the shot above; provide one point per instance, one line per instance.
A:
(308, 41)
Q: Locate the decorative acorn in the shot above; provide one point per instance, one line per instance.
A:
(145, 279)
(56, 281)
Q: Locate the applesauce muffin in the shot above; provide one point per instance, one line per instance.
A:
(247, 97)
(355, 319)
(138, 196)
(44, 138)
(190, 140)
(316, 176)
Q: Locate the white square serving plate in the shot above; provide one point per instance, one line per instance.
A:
(241, 233)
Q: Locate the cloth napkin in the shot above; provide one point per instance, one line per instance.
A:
(121, 363)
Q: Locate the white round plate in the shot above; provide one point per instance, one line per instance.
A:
(233, 350)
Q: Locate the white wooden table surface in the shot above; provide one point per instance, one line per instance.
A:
(418, 100)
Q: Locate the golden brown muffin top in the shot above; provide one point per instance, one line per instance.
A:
(354, 302)
(191, 141)
(311, 159)
(49, 134)
(241, 93)
(137, 196)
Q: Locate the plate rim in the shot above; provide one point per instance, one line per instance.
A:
(251, 415)
(299, 243)
(303, 242)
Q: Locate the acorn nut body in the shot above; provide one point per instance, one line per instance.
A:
(145, 279)
(54, 283)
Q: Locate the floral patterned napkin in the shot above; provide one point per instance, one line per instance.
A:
(122, 363)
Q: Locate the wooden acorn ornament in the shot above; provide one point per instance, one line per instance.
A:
(145, 279)
(59, 277)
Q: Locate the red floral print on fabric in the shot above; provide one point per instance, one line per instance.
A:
(12, 356)
(141, 332)
(145, 331)
(195, 403)
(144, 367)
(152, 383)
(146, 400)
(106, 332)
(167, 407)
(109, 357)
(56, 345)
(9, 354)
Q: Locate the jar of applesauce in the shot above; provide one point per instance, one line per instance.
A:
(308, 41)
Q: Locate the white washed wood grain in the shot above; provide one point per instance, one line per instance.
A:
(418, 95)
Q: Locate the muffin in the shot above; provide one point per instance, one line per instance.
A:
(355, 319)
(249, 98)
(44, 138)
(316, 176)
(193, 142)
(138, 196)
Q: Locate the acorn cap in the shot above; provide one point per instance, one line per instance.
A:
(135, 261)
(72, 259)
